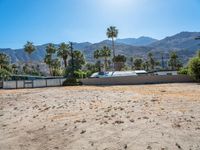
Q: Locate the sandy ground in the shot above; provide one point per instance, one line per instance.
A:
(139, 117)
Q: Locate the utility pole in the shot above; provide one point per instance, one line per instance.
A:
(163, 63)
(72, 59)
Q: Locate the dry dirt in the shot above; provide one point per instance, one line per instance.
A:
(139, 117)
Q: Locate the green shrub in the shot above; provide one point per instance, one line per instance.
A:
(194, 68)
(80, 74)
(4, 74)
(183, 71)
(71, 82)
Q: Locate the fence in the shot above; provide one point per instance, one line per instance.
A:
(18, 84)
(1, 84)
(131, 80)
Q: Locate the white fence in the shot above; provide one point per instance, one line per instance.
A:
(32, 83)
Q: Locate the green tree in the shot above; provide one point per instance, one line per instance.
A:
(4, 61)
(47, 60)
(145, 65)
(29, 48)
(5, 71)
(63, 52)
(4, 74)
(55, 64)
(79, 60)
(151, 61)
(112, 32)
(50, 50)
(174, 61)
(120, 61)
(14, 69)
(138, 63)
(105, 53)
(194, 67)
(97, 56)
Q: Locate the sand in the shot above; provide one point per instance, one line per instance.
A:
(138, 117)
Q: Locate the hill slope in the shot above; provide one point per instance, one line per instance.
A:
(183, 43)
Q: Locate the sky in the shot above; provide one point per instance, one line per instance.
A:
(56, 21)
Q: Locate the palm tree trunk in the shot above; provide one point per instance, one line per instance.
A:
(105, 63)
(113, 46)
(65, 63)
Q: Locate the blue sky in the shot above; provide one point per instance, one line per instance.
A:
(44, 21)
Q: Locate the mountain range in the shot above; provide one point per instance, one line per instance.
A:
(183, 43)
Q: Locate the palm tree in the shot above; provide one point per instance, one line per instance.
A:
(63, 52)
(120, 62)
(151, 61)
(50, 50)
(97, 55)
(29, 48)
(145, 65)
(4, 61)
(105, 53)
(112, 33)
(138, 63)
(174, 62)
(47, 60)
(79, 60)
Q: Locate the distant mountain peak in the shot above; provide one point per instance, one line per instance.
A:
(141, 41)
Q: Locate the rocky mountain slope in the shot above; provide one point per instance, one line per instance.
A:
(184, 43)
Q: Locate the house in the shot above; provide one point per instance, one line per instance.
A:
(118, 74)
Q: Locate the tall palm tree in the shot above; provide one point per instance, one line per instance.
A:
(50, 50)
(151, 61)
(97, 56)
(47, 60)
(79, 60)
(29, 48)
(112, 32)
(105, 53)
(63, 52)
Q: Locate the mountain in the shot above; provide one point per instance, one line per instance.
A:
(141, 41)
(184, 43)
(180, 41)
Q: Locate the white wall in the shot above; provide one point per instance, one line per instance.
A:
(162, 73)
(36, 83)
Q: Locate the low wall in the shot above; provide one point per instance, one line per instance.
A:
(131, 80)
(32, 84)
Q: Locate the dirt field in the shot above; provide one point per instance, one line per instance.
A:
(140, 117)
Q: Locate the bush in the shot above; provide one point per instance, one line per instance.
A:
(80, 74)
(194, 68)
(71, 82)
(183, 71)
(4, 74)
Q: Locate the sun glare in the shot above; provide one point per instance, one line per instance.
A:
(117, 4)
